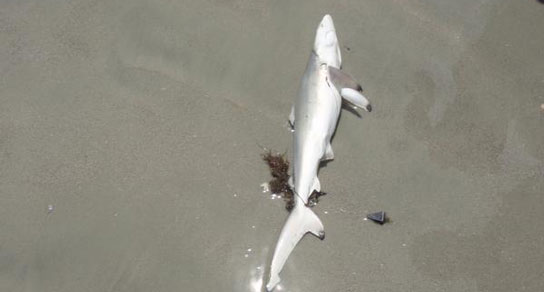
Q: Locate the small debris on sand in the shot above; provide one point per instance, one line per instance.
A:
(378, 217)
(314, 198)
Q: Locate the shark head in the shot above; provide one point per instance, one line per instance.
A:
(326, 43)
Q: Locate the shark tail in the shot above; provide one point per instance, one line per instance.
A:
(301, 221)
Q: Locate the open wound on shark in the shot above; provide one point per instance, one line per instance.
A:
(323, 90)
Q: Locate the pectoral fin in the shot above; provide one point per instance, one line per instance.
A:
(341, 80)
(349, 89)
(356, 98)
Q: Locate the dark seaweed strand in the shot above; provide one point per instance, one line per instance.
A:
(279, 169)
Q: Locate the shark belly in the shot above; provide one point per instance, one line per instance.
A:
(316, 113)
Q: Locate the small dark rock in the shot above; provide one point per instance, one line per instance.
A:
(378, 217)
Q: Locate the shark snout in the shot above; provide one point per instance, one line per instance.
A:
(326, 43)
(327, 22)
(326, 33)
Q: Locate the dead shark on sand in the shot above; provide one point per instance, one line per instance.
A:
(314, 118)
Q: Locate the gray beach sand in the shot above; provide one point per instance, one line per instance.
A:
(131, 134)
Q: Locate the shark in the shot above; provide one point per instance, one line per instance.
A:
(314, 116)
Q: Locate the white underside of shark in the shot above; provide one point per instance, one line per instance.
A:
(314, 118)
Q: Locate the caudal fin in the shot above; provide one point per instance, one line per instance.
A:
(301, 221)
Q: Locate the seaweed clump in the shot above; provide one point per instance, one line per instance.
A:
(279, 169)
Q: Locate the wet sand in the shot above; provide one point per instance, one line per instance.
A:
(130, 136)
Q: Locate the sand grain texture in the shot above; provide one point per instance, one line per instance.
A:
(139, 123)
